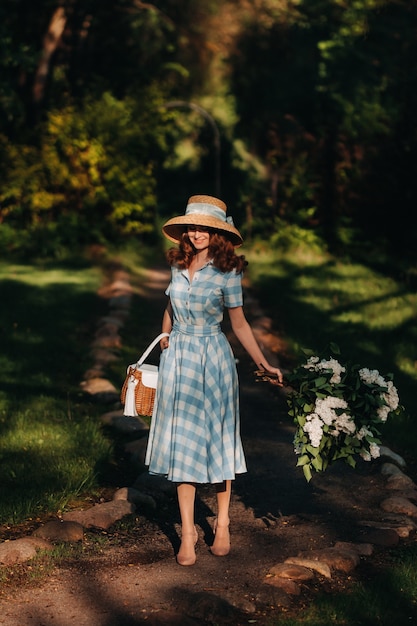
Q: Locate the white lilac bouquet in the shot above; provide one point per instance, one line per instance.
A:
(338, 410)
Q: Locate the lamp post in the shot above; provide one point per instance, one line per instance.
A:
(196, 107)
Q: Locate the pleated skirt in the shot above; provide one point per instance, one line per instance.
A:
(195, 428)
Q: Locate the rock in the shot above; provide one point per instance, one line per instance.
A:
(343, 560)
(108, 341)
(103, 356)
(289, 570)
(318, 566)
(101, 515)
(399, 482)
(114, 320)
(118, 316)
(107, 329)
(119, 287)
(402, 531)
(101, 389)
(208, 607)
(402, 525)
(98, 385)
(154, 484)
(135, 496)
(123, 423)
(271, 596)
(112, 399)
(135, 451)
(386, 537)
(21, 550)
(60, 531)
(286, 584)
(93, 372)
(363, 549)
(391, 520)
(121, 303)
(396, 504)
(389, 469)
(409, 494)
(395, 458)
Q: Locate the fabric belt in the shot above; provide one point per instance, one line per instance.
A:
(193, 329)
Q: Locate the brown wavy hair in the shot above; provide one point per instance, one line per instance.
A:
(220, 250)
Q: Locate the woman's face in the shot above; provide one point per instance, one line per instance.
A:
(199, 236)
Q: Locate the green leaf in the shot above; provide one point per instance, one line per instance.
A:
(321, 380)
(317, 463)
(301, 420)
(303, 460)
(307, 472)
(313, 451)
(351, 461)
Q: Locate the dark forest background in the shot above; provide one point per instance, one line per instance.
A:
(300, 112)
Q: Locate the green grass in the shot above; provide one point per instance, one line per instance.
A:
(52, 446)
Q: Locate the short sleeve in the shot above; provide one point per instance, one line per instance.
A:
(233, 296)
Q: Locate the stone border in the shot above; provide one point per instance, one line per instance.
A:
(399, 521)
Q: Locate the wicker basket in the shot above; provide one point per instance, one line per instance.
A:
(144, 396)
(139, 388)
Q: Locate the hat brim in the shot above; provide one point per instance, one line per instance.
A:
(176, 226)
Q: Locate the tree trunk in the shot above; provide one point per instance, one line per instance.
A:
(50, 43)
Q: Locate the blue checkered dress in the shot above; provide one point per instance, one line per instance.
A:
(194, 434)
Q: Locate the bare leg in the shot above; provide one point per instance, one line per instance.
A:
(186, 501)
(221, 544)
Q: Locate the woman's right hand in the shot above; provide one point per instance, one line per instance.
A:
(164, 343)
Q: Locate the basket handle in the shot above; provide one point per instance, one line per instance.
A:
(150, 348)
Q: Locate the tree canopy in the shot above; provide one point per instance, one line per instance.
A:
(311, 103)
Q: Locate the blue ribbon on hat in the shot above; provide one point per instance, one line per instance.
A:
(203, 208)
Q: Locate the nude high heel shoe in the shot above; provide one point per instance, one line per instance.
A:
(221, 544)
(186, 554)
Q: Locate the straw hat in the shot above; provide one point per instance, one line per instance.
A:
(203, 211)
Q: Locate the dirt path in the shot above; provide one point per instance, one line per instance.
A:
(275, 514)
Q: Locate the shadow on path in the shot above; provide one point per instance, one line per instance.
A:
(275, 514)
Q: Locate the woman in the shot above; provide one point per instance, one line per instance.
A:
(194, 436)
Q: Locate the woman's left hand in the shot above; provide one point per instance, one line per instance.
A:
(272, 371)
